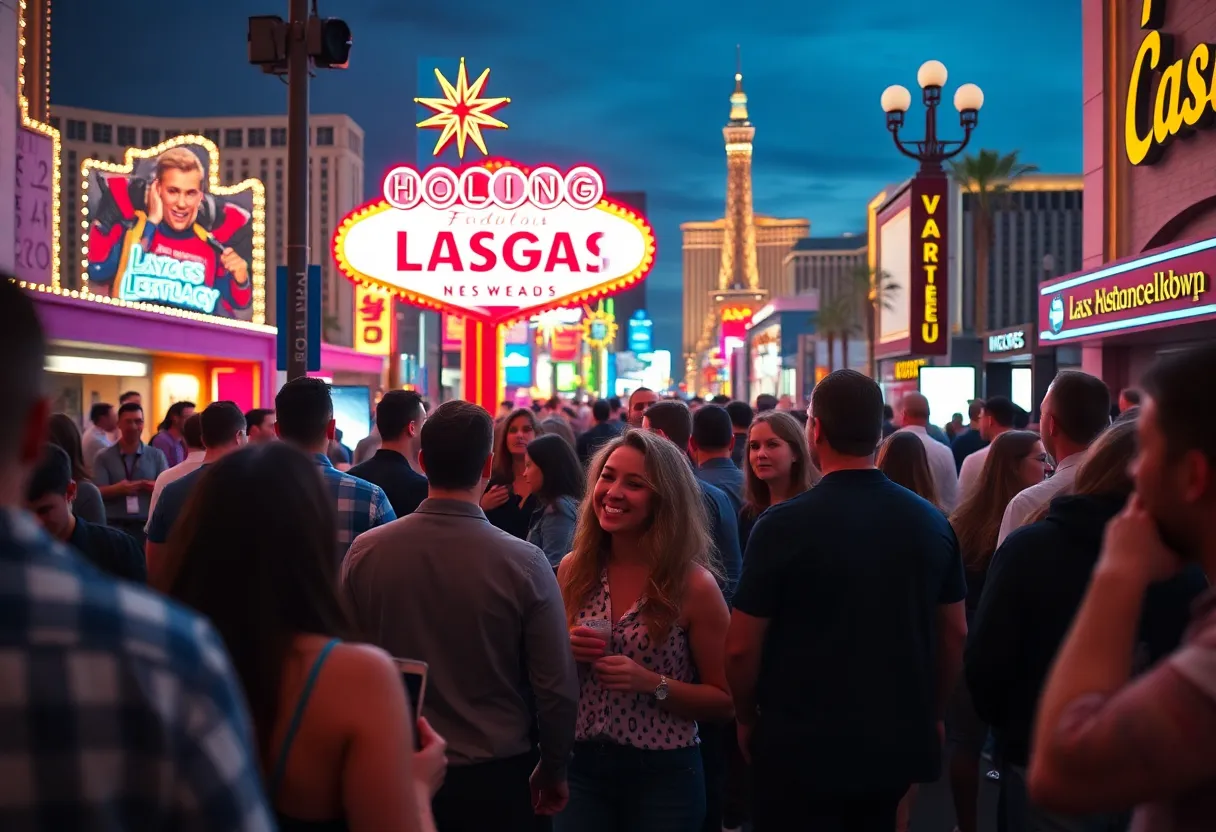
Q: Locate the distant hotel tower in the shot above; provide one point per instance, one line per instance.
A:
(733, 262)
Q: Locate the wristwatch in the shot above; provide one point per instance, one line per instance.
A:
(660, 693)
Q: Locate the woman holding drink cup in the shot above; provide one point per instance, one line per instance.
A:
(648, 627)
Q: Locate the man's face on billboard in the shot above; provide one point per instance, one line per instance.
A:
(181, 192)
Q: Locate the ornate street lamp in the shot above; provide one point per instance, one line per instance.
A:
(932, 151)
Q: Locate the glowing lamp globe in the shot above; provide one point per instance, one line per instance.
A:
(931, 74)
(896, 99)
(968, 98)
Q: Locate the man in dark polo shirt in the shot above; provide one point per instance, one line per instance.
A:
(49, 497)
(847, 634)
(602, 432)
(399, 416)
(223, 428)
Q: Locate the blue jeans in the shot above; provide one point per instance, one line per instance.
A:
(618, 788)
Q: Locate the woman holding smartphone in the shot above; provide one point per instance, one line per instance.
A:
(641, 569)
(331, 718)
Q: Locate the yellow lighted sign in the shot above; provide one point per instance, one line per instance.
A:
(462, 113)
(373, 321)
(909, 370)
(931, 253)
(1186, 94)
(1164, 287)
(599, 328)
(734, 314)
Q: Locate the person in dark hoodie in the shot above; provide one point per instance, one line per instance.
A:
(1032, 593)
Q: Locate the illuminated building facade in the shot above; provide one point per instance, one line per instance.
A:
(250, 146)
(735, 262)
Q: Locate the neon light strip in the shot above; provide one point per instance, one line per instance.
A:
(1122, 268)
(1114, 326)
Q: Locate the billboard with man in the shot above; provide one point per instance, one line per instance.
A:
(161, 231)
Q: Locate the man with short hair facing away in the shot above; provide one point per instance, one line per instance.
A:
(99, 435)
(192, 433)
(741, 416)
(483, 609)
(915, 412)
(972, 438)
(49, 497)
(847, 635)
(1105, 738)
(996, 417)
(400, 415)
(125, 473)
(222, 426)
(713, 438)
(603, 431)
(121, 708)
(1129, 397)
(259, 425)
(1074, 412)
(305, 411)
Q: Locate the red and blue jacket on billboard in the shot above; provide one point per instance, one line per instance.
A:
(156, 263)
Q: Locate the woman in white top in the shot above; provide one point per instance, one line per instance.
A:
(641, 569)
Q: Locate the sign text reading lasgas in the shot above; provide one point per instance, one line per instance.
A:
(1164, 287)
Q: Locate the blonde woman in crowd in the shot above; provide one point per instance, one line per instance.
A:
(648, 628)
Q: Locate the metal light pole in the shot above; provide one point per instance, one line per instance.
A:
(297, 189)
(932, 151)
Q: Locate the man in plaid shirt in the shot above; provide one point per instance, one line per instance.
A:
(119, 709)
(305, 412)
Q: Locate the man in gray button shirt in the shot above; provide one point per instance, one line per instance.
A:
(483, 609)
(126, 473)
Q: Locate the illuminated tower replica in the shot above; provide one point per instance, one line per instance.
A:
(739, 275)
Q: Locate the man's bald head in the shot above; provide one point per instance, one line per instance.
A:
(915, 409)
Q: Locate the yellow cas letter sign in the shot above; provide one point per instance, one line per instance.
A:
(373, 320)
(1185, 98)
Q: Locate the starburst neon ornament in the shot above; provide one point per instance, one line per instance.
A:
(462, 113)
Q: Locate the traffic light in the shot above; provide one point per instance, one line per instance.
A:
(329, 42)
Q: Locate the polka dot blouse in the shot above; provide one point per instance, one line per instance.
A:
(634, 719)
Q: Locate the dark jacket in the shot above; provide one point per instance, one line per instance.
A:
(1034, 588)
(404, 487)
(594, 438)
(110, 550)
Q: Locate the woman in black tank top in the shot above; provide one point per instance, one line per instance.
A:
(253, 551)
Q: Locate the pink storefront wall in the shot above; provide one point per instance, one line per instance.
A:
(89, 324)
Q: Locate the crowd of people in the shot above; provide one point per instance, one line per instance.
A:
(648, 615)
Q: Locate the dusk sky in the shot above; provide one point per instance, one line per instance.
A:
(638, 88)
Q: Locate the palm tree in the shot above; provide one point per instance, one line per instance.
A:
(987, 176)
(838, 319)
(875, 291)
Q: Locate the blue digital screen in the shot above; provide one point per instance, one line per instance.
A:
(640, 328)
(517, 365)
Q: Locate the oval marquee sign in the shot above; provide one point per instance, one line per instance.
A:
(495, 241)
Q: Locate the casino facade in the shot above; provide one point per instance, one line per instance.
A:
(1149, 246)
